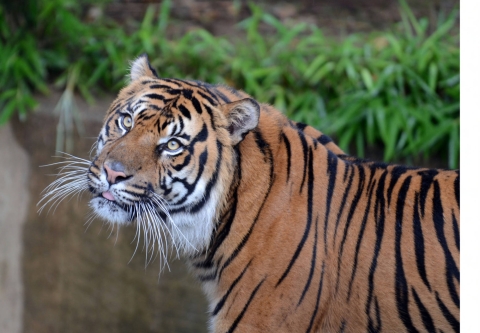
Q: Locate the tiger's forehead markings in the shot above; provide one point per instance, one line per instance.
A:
(145, 115)
(207, 91)
(209, 99)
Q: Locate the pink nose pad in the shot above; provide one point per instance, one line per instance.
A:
(112, 175)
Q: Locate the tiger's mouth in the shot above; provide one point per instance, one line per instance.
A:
(112, 210)
(109, 207)
(113, 201)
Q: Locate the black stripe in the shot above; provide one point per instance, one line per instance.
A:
(176, 92)
(427, 179)
(107, 126)
(289, 154)
(144, 116)
(240, 316)
(184, 111)
(379, 210)
(222, 234)
(181, 127)
(447, 314)
(419, 242)
(157, 86)
(351, 170)
(211, 183)
(174, 129)
(370, 187)
(309, 218)
(356, 199)
(144, 82)
(451, 268)
(187, 93)
(93, 175)
(210, 113)
(426, 318)
(196, 104)
(401, 285)
(262, 144)
(456, 230)
(305, 161)
(134, 194)
(247, 236)
(165, 124)
(202, 160)
(395, 173)
(155, 96)
(179, 167)
(208, 98)
(150, 106)
(141, 187)
(202, 136)
(208, 277)
(319, 294)
(332, 175)
(323, 139)
(312, 264)
(221, 303)
(346, 171)
(301, 126)
(174, 81)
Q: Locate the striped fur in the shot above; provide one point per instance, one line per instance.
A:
(285, 231)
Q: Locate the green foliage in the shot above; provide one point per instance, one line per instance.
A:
(399, 88)
(21, 70)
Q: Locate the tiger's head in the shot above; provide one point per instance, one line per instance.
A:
(166, 155)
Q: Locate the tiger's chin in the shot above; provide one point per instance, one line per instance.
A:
(110, 211)
(189, 232)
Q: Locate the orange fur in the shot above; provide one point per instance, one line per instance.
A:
(302, 238)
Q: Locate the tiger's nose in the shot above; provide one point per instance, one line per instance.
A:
(115, 172)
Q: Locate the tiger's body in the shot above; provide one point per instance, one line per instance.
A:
(285, 232)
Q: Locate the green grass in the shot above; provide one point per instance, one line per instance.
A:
(397, 88)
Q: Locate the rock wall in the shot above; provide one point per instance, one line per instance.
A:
(14, 204)
(78, 277)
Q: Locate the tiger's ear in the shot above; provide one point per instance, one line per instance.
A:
(243, 116)
(141, 67)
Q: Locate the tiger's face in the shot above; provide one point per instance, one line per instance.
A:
(165, 156)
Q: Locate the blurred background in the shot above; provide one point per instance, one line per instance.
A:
(379, 76)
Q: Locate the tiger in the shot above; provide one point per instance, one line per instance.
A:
(283, 229)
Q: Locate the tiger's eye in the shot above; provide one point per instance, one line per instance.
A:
(127, 121)
(173, 145)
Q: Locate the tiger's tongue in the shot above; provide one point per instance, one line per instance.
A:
(108, 195)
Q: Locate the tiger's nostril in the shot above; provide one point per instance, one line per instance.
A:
(115, 172)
